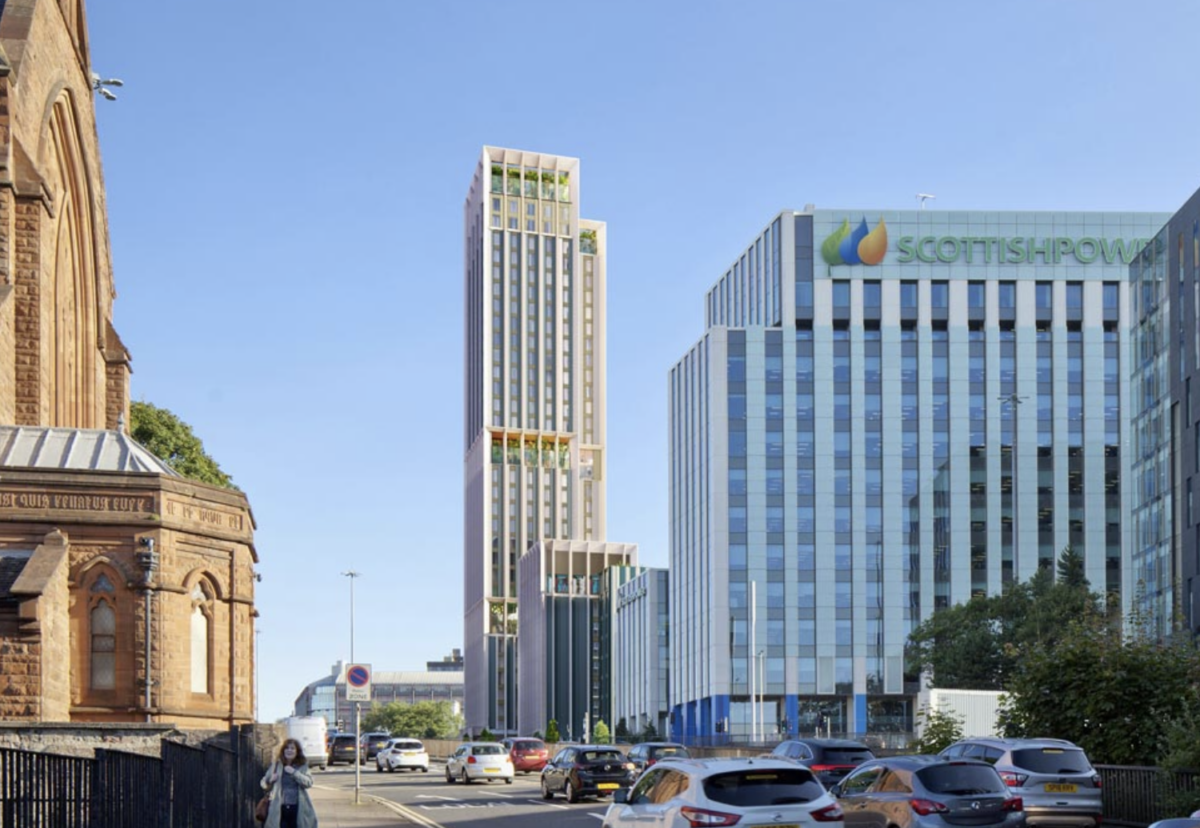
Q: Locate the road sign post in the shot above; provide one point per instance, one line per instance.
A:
(358, 690)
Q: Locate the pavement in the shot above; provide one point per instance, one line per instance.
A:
(336, 809)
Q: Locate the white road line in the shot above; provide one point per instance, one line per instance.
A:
(407, 813)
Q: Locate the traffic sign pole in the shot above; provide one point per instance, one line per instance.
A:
(358, 690)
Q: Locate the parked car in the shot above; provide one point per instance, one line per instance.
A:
(479, 760)
(528, 754)
(586, 770)
(724, 792)
(829, 759)
(1053, 776)
(927, 792)
(343, 748)
(369, 744)
(645, 754)
(402, 754)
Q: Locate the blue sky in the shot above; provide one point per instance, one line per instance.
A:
(285, 184)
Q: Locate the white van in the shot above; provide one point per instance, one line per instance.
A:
(309, 731)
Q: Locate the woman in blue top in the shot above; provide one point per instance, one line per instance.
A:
(288, 780)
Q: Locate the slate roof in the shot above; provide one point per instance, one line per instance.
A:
(76, 449)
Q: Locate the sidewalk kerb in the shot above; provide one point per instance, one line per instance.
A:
(405, 812)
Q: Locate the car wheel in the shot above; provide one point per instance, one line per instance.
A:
(508, 781)
(425, 769)
(391, 768)
(466, 780)
(449, 778)
(546, 792)
(570, 793)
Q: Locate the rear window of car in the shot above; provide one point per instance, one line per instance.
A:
(488, 750)
(409, 745)
(342, 741)
(846, 756)
(751, 787)
(601, 755)
(963, 780)
(1051, 760)
(528, 744)
(669, 750)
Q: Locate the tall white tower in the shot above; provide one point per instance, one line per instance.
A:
(534, 400)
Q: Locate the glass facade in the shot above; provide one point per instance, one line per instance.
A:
(936, 411)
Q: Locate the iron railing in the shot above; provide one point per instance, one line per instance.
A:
(215, 786)
(1138, 796)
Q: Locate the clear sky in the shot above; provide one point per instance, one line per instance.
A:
(285, 186)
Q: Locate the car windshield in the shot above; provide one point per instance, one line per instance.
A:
(757, 786)
(846, 756)
(488, 750)
(1051, 760)
(601, 755)
(961, 780)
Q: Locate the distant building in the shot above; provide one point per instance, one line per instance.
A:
(327, 695)
(452, 663)
(641, 655)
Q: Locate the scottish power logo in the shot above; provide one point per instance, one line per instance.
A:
(863, 246)
(858, 246)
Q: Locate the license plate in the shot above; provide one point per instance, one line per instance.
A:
(607, 786)
(1055, 787)
(491, 770)
(778, 825)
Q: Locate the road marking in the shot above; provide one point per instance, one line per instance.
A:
(406, 812)
(435, 796)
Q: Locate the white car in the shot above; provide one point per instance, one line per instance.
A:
(402, 754)
(678, 793)
(479, 760)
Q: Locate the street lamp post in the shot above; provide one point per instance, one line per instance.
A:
(1014, 400)
(760, 714)
(352, 575)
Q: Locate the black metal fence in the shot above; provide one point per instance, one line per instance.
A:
(214, 786)
(1138, 796)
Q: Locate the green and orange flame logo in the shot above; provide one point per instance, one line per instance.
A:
(858, 246)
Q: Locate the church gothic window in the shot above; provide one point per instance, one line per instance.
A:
(201, 636)
(103, 636)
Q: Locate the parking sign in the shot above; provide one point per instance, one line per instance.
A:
(358, 682)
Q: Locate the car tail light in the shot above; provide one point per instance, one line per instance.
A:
(698, 817)
(1013, 780)
(925, 807)
(650, 762)
(830, 768)
(830, 813)
(1096, 782)
(1013, 803)
(470, 760)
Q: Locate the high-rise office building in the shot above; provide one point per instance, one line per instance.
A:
(534, 396)
(889, 413)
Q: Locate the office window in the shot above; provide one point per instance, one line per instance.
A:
(977, 295)
(939, 294)
(1008, 295)
(1074, 295)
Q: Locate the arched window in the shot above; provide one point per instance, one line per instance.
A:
(104, 644)
(201, 632)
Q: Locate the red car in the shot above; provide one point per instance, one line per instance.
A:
(529, 755)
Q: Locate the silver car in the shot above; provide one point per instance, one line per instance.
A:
(476, 761)
(927, 792)
(1053, 777)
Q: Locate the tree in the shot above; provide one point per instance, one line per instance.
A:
(940, 729)
(422, 720)
(486, 735)
(622, 730)
(172, 440)
(976, 645)
(1116, 692)
(600, 733)
(650, 734)
(552, 731)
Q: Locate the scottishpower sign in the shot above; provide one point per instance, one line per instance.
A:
(869, 246)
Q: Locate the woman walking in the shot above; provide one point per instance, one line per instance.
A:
(288, 781)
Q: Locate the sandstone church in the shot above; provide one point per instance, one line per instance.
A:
(126, 591)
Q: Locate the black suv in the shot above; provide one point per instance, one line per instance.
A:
(645, 754)
(829, 759)
(370, 745)
(343, 748)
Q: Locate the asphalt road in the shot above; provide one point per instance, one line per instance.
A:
(497, 805)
